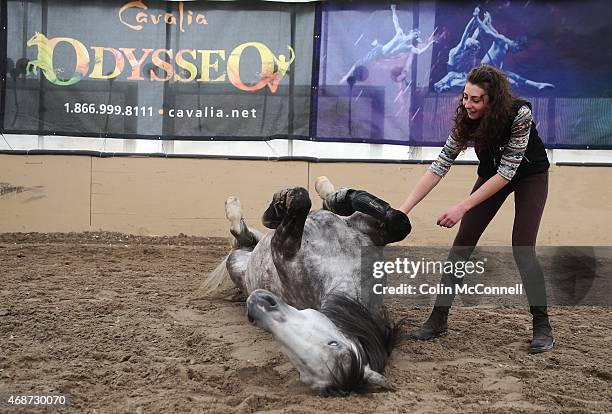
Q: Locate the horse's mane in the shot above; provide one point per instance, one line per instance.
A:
(374, 333)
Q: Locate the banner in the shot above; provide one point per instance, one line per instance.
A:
(372, 72)
(393, 72)
(156, 69)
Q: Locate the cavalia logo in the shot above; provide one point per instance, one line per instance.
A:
(215, 65)
(143, 17)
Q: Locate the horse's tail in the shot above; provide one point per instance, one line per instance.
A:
(217, 279)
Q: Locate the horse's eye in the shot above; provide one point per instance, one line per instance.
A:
(332, 343)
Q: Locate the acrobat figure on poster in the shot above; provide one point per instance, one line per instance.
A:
(499, 49)
(283, 64)
(463, 57)
(401, 42)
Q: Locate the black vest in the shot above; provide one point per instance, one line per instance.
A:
(534, 161)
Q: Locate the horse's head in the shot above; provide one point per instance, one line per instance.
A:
(339, 350)
(35, 39)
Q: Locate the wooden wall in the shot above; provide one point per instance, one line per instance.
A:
(167, 196)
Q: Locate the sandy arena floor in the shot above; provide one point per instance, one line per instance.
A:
(118, 323)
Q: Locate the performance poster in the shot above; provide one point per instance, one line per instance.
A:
(393, 72)
(373, 72)
(151, 69)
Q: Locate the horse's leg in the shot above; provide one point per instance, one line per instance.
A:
(391, 225)
(244, 236)
(244, 242)
(236, 266)
(287, 214)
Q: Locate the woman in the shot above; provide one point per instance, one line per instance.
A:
(512, 159)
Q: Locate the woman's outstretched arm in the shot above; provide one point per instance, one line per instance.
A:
(425, 184)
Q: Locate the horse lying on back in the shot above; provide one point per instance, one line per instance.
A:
(304, 279)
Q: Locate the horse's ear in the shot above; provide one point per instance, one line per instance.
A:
(374, 379)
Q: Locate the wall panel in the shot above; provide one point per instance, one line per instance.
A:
(44, 193)
(168, 196)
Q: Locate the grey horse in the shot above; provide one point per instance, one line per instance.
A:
(304, 283)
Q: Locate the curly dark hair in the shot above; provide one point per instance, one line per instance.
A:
(498, 113)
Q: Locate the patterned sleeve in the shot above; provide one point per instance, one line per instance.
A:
(515, 149)
(446, 158)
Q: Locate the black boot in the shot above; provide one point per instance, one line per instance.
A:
(369, 204)
(543, 340)
(340, 202)
(346, 201)
(435, 326)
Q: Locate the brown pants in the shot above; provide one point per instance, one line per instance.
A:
(530, 194)
(529, 200)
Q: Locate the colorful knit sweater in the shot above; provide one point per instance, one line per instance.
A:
(511, 157)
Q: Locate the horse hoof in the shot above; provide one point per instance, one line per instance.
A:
(297, 201)
(324, 187)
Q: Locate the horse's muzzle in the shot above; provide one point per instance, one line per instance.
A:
(261, 303)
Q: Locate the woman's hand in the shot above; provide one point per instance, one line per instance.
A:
(452, 216)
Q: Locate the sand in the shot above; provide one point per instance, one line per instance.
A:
(119, 323)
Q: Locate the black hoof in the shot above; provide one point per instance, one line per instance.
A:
(291, 201)
(298, 201)
(397, 224)
(275, 212)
